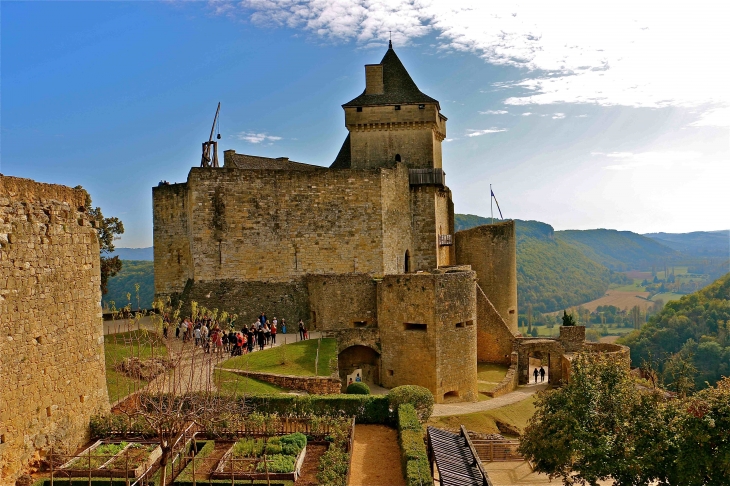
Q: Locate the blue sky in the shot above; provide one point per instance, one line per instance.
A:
(581, 118)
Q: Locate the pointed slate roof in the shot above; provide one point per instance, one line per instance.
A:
(398, 87)
(344, 158)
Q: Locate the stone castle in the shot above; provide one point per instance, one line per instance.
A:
(363, 249)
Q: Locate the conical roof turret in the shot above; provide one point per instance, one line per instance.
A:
(398, 86)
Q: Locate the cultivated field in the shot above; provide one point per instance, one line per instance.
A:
(621, 299)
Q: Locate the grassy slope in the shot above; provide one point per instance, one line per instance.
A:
(120, 346)
(133, 272)
(516, 415)
(298, 359)
(233, 384)
(618, 250)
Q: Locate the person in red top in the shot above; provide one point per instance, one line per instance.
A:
(273, 332)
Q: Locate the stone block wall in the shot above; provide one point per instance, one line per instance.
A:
(52, 346)
(495, 340)
(315, 385)
(342, 301)
(572, 338)
(428, 332)
(491, 250)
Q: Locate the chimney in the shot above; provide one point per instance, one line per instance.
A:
(373, 79)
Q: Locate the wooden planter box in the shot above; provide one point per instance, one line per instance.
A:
(78, 466)
(221, 472)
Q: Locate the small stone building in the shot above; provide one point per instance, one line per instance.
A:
(363, 249)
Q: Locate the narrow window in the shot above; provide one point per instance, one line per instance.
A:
(2, 439)
(421, 107)
(48, 411)
(359, 109)
(397, 157)
(390, 372)
(469, 323)
(459, 324)
(413, 326)
(397, 107)
(360, 323)
(407, 262)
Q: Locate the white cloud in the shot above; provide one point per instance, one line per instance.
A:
(582, 116)
(719, 117)
(558, 116)
(527, 114)
(478, 133)
(253, 137)
(494, 112)
(647, 54)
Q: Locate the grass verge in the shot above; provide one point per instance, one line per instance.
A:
(516, 414)
(288, 359)
(141, 344)
(236, 385)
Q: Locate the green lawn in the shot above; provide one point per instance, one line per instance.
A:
(232, 384)
(667, 296)
(491, 372)
(119, 346)
(516, 414)
(288, 359)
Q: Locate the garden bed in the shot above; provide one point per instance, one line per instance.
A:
(113, 459)
(249, 459)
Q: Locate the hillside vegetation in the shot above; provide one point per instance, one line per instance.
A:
(696, 327)
(697, 243)
(133, 272)
(618, 250)
(551, 274)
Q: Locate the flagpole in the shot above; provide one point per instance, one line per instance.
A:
(491, 208)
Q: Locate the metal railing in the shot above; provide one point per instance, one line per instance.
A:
(446, 240)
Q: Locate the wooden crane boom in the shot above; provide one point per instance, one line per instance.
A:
(207, 160)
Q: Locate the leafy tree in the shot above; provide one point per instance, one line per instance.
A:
(106, 229)
(568, 319)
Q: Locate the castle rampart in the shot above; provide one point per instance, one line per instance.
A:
(51, 351)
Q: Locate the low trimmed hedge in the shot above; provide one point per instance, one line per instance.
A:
(367, 409)
(418, 396)
(414, 457)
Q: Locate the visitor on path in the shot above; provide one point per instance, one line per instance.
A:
(535, 373)
(301, 330)
(273, 332)
(283, 326)
(262, 319)
(218, 340)
(197, 334)
(262, 339)
(177, 331)
(267, 333)
(165, 325)
(542, 374)
(251, 335)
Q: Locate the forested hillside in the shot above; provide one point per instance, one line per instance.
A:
(697, 243)
(551, 274)
(696, 328)
(619, 250)
(133, 272)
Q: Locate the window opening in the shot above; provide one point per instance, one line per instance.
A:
(407, 262)
(414, 326)
(397, 158)
(397, 107)
(359, 109)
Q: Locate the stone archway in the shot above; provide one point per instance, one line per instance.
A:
(541, 352)
(363, 357)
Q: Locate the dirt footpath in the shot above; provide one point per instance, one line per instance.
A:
(376, 457)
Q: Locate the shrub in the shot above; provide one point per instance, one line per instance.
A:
(418, 396)
(292, 444)
(414, 457)
(358, 388)
(104, 426)
(367, 409)
(418, 472)
(277, 463)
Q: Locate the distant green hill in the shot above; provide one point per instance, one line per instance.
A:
(551, 274)
(619, 250)
(696, 326)
(133, 272)
(697, 243)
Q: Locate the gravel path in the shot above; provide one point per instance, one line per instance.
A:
(376, 457)
(521, 393)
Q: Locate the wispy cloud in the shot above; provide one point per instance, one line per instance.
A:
(494, 112)
(558, 116)
(253, 137)
(664, 159)
(478, 133)
(527, 114)
(567, 61)
(582, 116)
(719, 117)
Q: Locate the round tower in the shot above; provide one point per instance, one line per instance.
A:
(491, 250)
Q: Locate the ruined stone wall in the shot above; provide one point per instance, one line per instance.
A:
(277, 225)
(342, 301)
(51, 351)
(495, 340)
(491, 250)
(284, 300)
(426, 335)
(170, 216)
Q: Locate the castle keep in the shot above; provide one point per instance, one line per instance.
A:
(363, 249)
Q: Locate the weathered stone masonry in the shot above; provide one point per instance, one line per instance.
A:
(51, 342)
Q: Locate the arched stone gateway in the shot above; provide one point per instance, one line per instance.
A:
(362, 357)
(550, 354)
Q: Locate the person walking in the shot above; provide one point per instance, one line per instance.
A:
(273, 332)
(283, 326)
(262, 339)
(301, 330)
(535, 373)
(542, 374)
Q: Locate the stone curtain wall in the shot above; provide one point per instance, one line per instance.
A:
(342, 301)
(277, 225)
(495, 340)
(491, 250)
(173, 262)
(51, 351)
(396, 219)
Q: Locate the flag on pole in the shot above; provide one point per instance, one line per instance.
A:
(495, 200)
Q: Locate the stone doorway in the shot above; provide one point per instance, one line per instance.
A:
(362, 357)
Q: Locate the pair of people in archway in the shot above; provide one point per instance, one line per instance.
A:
(541, 372)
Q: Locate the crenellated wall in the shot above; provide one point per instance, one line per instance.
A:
(52, 346)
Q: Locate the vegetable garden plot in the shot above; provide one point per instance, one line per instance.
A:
(112, 459)
(280, 458)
